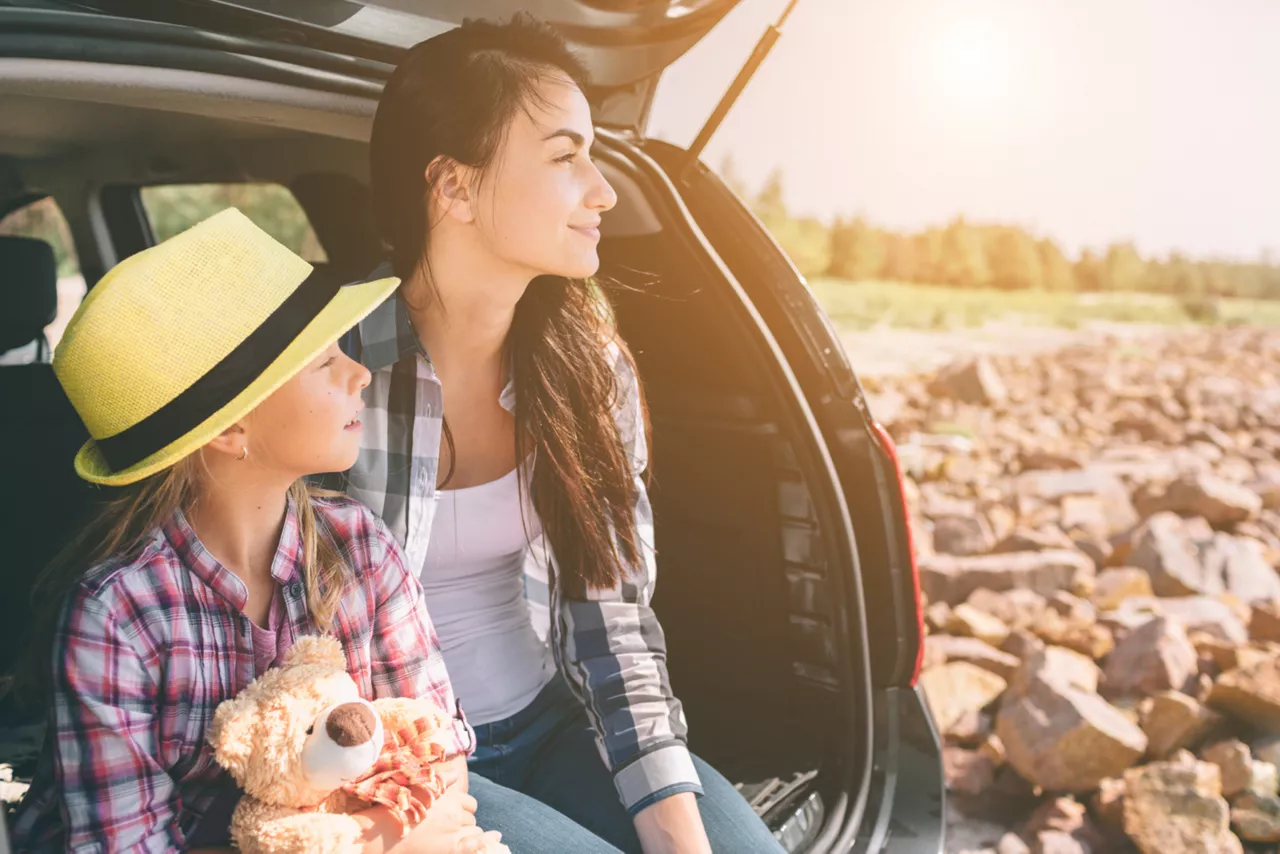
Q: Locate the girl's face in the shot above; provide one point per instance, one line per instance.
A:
(311, 424)
(539, 204)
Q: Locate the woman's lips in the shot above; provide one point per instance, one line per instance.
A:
(589, 231)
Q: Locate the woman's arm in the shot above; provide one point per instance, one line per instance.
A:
(672, 826)
(116, 795)
(621, 673)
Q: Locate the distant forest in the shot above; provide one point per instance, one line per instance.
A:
(965, 254)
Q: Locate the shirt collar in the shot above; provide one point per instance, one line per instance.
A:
(285, 567)
(386, 335)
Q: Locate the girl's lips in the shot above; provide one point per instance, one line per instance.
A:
(354, 425)
(593, 233)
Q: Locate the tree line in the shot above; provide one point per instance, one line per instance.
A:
(965, 254)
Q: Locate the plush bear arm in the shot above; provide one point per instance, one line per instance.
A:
(399, 712)
(260, 828)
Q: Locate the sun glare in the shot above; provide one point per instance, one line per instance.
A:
(972, 64)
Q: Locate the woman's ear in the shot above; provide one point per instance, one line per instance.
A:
(451, 188)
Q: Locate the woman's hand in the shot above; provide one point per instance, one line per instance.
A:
(454, 773)
(672, 826)
(449, 828)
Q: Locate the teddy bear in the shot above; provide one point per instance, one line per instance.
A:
(308, 751)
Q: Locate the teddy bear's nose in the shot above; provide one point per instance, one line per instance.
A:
(351, 724)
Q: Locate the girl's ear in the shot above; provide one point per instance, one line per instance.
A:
(231, 441)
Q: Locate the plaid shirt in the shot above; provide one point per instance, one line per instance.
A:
(609, 646)
(147, 648)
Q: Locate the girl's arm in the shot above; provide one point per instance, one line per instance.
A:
(406, 658)
(116, 796)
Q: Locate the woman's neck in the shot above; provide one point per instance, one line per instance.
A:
(239, 523)
(463, 315)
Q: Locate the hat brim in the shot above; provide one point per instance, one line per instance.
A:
(351, 305)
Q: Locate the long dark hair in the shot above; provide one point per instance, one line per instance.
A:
(455, 95)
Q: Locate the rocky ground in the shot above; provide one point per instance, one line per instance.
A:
(1098, 530)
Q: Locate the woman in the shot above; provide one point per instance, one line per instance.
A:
(208, 373)
(507, 426)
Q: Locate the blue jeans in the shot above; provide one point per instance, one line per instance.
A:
(538, 777)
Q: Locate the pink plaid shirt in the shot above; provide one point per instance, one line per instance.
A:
(147, 649)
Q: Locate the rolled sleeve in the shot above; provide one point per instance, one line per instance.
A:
(659, 774)
(614, 650)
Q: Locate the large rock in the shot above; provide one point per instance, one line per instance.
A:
(1173, 721)
(969, 772)
(944, 648)
(1063, 739)
(950, 578)
(1033, 540)
(1251, 693)
(1113, 586)
(1016, 608)
(976, 382)
(1105, 487)
(1242, 566)
(1264, 624)
(962, 535)
(1256, 817)
(1084, 636)
(1063, 826)
(1059, 666)
(1177, 808)
(1219, 501)
(1196, 614)
(1235, 765)
(1164, 548)
(957, 689)
(1157, 656)
(968, 621)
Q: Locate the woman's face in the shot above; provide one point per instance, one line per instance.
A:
(539, 204)
(311, 424)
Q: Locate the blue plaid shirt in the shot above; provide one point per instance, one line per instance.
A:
(608, 644)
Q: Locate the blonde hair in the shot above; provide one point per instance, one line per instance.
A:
(126, 521)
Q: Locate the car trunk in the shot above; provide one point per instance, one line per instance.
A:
(763, 452)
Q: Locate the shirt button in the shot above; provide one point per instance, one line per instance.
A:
(295, 589)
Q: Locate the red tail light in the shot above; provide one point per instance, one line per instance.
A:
(889, 448)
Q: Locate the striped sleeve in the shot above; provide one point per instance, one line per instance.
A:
(615, 654)
(115, 795)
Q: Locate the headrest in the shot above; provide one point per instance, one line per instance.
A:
(28, 290)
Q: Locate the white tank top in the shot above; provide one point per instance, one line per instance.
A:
(473, 577)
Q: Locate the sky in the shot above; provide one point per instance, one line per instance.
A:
(1088, 121)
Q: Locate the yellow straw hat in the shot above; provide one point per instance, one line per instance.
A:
(180, 341)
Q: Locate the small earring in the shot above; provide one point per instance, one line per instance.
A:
(244, 452)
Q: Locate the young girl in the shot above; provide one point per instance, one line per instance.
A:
(207, 373)
(506, 451)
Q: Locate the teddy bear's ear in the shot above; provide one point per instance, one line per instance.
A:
(316, 649)
(231, 735)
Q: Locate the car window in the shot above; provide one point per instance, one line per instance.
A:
(173, 208)
(43, 220)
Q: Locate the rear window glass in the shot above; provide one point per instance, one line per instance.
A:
(43, 220)
(173, 208)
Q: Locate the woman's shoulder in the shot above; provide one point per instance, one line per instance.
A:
(358, 532)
